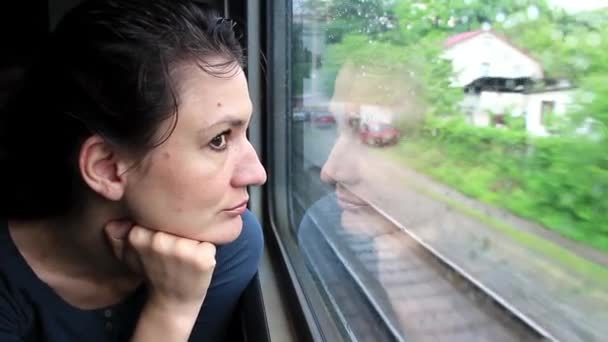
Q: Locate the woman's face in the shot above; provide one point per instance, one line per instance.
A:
(195, 184)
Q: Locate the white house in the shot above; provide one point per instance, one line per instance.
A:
(480, 53)
(498, 78)
(540, 104)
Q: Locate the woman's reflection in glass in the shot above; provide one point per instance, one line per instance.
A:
(375, 107)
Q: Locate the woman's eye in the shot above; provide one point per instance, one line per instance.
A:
(220, 141)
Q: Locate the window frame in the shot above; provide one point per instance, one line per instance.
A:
(301, 292)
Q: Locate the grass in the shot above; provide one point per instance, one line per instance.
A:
(565, 257)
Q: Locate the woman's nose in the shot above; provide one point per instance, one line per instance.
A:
(249, 170)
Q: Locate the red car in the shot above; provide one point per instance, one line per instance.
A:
(379, 134)
(323, 119)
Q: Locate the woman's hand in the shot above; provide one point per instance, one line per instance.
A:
(178, 272)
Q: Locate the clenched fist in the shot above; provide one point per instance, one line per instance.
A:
(177, 270)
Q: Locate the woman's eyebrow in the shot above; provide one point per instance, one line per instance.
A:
(233, 121)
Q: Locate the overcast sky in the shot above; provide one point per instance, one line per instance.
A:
(568, 5)
(579, 5)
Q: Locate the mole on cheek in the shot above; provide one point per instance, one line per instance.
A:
(219, 104)
(166, 155)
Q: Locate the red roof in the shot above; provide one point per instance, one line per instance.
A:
(460, 37)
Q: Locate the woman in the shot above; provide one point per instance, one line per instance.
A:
(125, 162)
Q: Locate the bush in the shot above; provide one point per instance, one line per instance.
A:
(560, 182)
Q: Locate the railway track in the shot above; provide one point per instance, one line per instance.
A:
(395, 288)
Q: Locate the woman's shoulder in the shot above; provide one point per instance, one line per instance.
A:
(251, 224)
(237, 264)
(239, 259)
(251, 235)
(11, 265)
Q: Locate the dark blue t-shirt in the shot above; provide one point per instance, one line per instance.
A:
(31, 311)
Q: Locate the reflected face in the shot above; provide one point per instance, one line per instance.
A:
(195, 184)
(346, 168)
(367, 107)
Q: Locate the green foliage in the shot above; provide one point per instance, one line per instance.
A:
(418, 19)
(593, 99)
(358, 49)
(363, 17)
(515, 123)
(558, 124)
(564, 51)
(560, 182)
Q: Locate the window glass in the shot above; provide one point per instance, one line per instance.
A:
(436, 200)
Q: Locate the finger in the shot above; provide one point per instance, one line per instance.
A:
(208, 248)
(206, 252)
(140, 238)
(162, 243)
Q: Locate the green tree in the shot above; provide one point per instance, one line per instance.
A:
(418, 18)
(342, 17)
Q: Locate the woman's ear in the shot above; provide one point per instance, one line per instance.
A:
(103, 168)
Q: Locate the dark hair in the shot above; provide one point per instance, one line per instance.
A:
(107, 70)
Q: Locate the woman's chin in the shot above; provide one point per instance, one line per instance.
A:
(223, 232)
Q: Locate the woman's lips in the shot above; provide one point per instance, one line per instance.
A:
(239, 209)
(349, 201)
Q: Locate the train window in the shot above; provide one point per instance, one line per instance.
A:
(410, 214)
